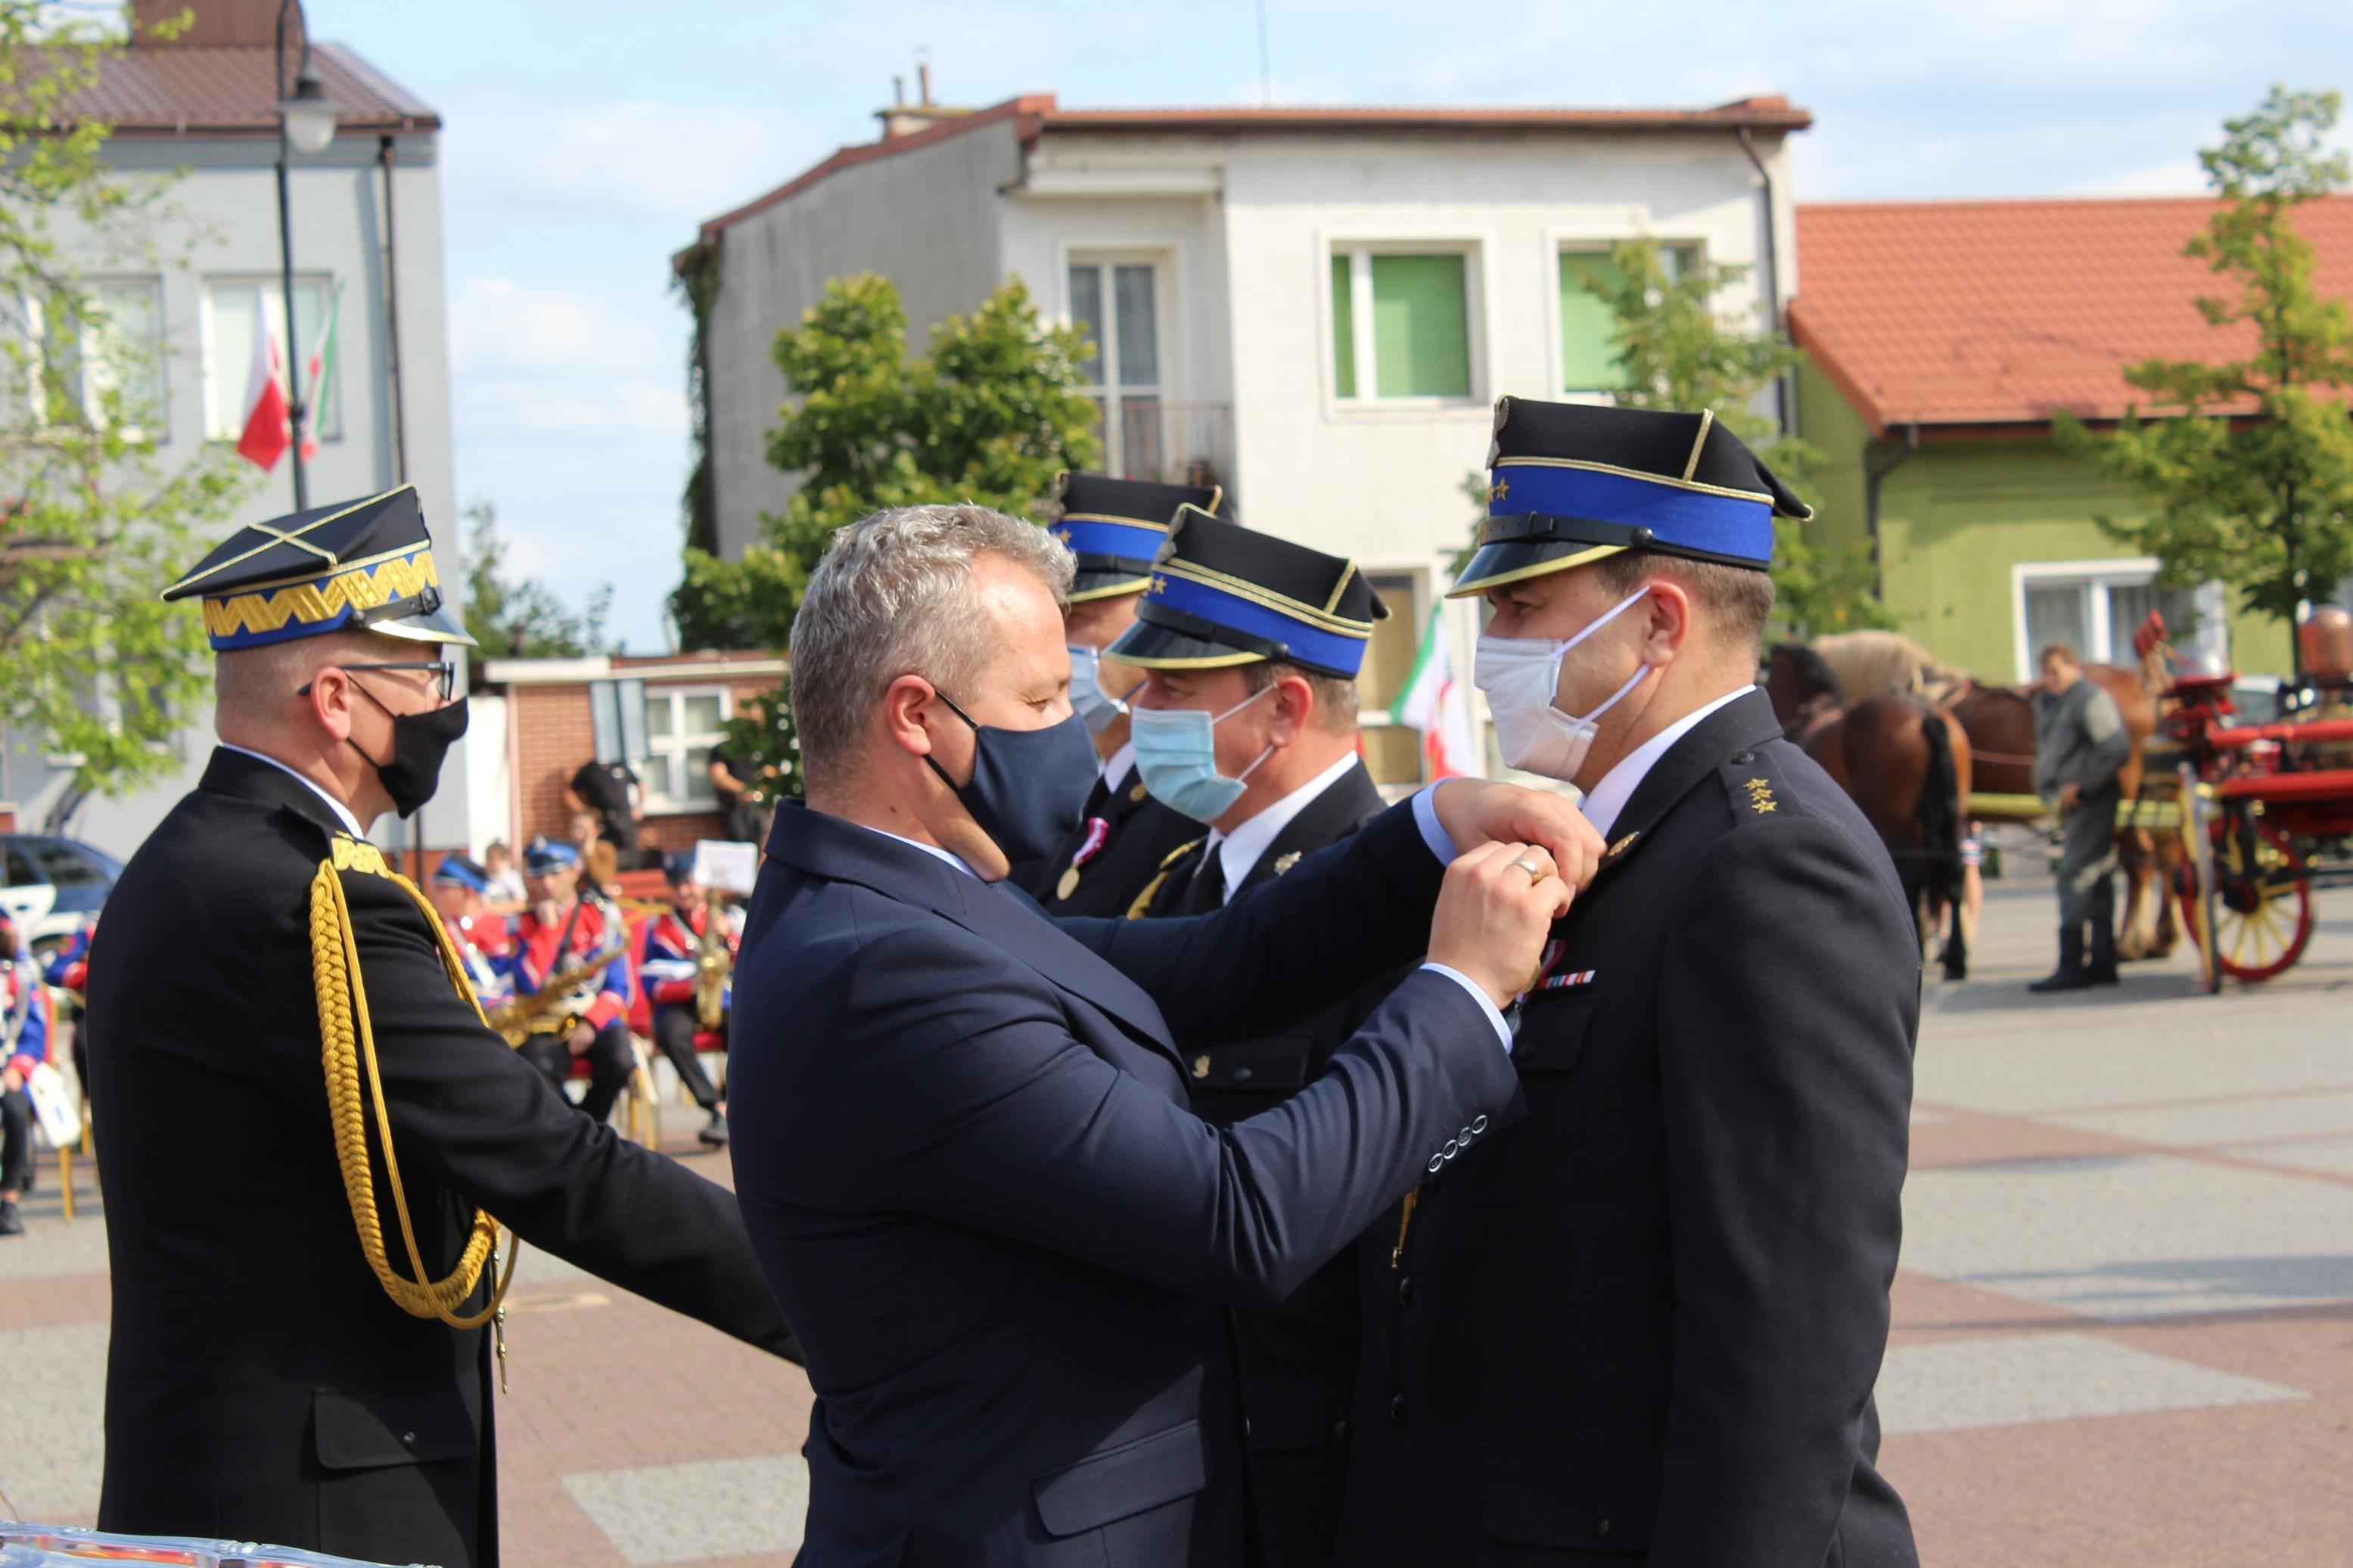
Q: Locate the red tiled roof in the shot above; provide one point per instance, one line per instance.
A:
(2007, 312)
(1037, 113)
(214, 90)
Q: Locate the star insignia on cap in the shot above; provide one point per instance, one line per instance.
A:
(1503, 489)
(1159, 583)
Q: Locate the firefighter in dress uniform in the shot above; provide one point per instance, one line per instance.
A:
(671, 964)
(558, 941)
(1115, 528)
(308, 1127)
(1645, 1323)
(1246, 725)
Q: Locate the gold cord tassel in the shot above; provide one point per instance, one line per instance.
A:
(342, 996)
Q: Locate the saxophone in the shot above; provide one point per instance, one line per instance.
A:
(713, 962)
(528, 1016)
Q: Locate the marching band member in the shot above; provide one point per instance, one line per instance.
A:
(25, 1047)
(484, 941)
(671, 965)
(560, 931)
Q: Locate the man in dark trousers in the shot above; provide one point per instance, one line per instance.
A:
(962, 1142)
(288, 1364)
(1645, 1323)
(1113, 528)
(2081, 745)
(1264, 664)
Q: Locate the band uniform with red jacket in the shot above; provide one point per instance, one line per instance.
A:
(669, 964)
(576, 931)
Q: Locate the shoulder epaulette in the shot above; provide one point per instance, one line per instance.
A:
(1756, 789)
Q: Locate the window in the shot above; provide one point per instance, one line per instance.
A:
(232, 307)
(62, 868)
(1400, 323)
(1393, 753)
(682, 725)
(1588, 331)
(1116, 303)
(110, 360)
(2096, 606)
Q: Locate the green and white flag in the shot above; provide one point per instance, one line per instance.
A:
(315, 372)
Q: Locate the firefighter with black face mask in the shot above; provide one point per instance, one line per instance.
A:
(288, 1057)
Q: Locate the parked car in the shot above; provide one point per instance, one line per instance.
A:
(53, 886)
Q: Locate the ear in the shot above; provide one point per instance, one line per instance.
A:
(1666, 622)
(332, 699)
(1294, 708)
(903, 714)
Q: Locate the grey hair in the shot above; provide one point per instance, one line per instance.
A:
(892, 596)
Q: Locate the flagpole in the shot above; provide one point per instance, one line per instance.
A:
(286, 266)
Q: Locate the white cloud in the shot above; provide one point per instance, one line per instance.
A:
(632, 159)
(504, 328)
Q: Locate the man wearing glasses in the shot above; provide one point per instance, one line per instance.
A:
(308, 1127)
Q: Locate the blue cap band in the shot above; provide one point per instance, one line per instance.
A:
(1315, 645)
(1120, 541)
(1735, 527)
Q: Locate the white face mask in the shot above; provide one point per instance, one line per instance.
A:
(1520, 675)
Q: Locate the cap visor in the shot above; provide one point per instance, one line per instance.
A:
(1090, 586)
(1516, 560)
(1158, 647)
(440, 624)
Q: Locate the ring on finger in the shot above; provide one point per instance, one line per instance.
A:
(1535, 871)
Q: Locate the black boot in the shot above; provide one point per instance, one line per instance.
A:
(2071, 974)
(2100, 961)
(715, 1135)
(10, 1223)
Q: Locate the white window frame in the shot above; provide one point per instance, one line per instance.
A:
(674, 747)
(1416, 614)
(1106, 259)
(2213, 634)
(1360, 252)
(36, 320)
(236, 360)
(1567, 245)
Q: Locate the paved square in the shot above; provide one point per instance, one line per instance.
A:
(1951, 1384)
(684, 1513)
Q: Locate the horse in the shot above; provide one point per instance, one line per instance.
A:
(2001, 724)
(1906, 765)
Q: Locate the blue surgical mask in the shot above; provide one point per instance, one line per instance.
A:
(1028, 787)
(1101, 713)
(1176, 754)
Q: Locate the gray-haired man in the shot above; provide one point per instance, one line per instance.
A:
(2080, 746)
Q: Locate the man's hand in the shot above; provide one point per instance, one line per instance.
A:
(582, 1035)
(1494, 914)
(1474, 813)
(2071, 796)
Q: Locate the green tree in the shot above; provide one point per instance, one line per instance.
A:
(92, 527)
(2250, 481)
(1679, 352)
(524, 617)
(990, 415)
(761, 736)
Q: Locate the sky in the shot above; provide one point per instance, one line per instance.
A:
(584, 141)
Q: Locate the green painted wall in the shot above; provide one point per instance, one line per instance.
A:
(1959, 514)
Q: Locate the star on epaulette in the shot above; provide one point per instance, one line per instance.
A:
(1763, 803)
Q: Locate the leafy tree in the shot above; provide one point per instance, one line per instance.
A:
(524, 617)
(990, 415)
(91, 526)
(1679, 352)
(761, 735)
(2252, 481)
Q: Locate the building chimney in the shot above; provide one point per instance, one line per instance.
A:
(905, 119)
(923, 77)
(898, 90)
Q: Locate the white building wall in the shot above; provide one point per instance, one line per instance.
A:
(220, 221)
(927, 219)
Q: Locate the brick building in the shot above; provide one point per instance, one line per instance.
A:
(537, 719)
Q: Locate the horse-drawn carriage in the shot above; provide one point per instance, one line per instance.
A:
(2265, 809)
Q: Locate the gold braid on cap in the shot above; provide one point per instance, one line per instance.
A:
(343, 997)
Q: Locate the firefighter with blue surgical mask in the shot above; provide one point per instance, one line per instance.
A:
(1116, 527)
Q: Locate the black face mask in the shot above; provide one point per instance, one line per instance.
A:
(419, 743)
(1028, 786)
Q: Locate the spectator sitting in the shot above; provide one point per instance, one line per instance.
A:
(502, 883)
(669, 963)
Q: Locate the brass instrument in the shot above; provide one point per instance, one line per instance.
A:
(714, 961)
(528, 1016)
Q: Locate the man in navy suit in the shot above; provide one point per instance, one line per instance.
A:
(962, 1146)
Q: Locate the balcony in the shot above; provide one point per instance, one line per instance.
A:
(1171, 443)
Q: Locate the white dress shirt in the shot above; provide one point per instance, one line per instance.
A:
(342, 813)
(1618, 786)
(1244, 845)
(1116, 766)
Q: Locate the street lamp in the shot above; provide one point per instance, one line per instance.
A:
(306, 123)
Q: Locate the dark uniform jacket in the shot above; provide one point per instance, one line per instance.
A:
(1140, 833)
(1646, 1322)
(260, 1384)
(1299, 1359)
(963, 1149)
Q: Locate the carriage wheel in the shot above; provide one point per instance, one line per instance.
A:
(2261, 901)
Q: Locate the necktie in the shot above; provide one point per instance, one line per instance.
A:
(1206, 890)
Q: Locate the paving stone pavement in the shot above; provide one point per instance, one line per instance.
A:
(2124, 1320)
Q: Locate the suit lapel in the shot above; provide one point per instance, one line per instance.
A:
(1351, 801)
(1741, 725)
(1000, 914)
